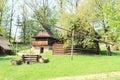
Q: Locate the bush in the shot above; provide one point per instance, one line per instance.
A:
(13, 50)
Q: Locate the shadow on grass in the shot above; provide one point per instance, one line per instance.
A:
(114, 53)
(3, 55)
(103, 53)
(86, 54)
(4, 58)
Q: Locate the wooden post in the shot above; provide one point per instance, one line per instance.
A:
(30, 35)
(72, 45)
(30, 41)
(16, 40)
(108, 50)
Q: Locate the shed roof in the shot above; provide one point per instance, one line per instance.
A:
(5, 46)
(4, 43)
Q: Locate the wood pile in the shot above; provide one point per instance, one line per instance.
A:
(43, 60)
(16, 62)
(30, 58)
(34, 58)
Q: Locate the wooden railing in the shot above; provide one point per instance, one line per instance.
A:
(39, 43)
(31, 58)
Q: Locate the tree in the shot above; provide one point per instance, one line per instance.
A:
(101, 13)
(111, 12)
(12, 12)
(77, 21)
(3, 31)
(24, 14)
(44, 12)
(2, 10)
(96, 16)
(28, 25)
(4, 17)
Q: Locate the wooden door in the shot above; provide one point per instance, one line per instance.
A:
(42, 50)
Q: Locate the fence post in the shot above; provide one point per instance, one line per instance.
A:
(72, 45)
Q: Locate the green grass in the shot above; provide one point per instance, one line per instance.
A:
(58, 66)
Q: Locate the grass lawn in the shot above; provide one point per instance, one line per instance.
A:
(58, 66)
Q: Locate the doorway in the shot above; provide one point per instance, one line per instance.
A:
(41, 50)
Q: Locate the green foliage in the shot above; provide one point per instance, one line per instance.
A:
(2, 10)
(112, 16)
(45, 16)
(20, 48)
(104, 14)
(29, 24)
(13, 49)
(84, 32)
(3, 31)
(1, 5)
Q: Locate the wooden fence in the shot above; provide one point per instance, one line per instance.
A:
(58, 48)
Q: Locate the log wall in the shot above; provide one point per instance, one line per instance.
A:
(39, 43)
(58, 48)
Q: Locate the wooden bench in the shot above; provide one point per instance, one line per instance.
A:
(31, 58)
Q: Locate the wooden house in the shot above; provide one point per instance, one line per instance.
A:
(43, 41)
(4, 45)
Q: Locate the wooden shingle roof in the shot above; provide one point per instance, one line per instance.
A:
(44, 32)
(4, 43)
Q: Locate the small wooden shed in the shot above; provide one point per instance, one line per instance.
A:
(4, 45)
(58, 48)
(43, 41)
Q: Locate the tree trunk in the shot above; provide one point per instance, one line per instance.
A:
(98, 48)
(72, 44)
(107, 45)
(11, 16)
(10, 29)
(108, 50)
(61, 6)
(15, 34)
(77, 3)
(24, 27)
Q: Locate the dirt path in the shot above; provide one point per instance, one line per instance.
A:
(101, 76)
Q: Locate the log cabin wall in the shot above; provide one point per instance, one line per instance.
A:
(40, 46)
(40, 42)
(58, 48)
